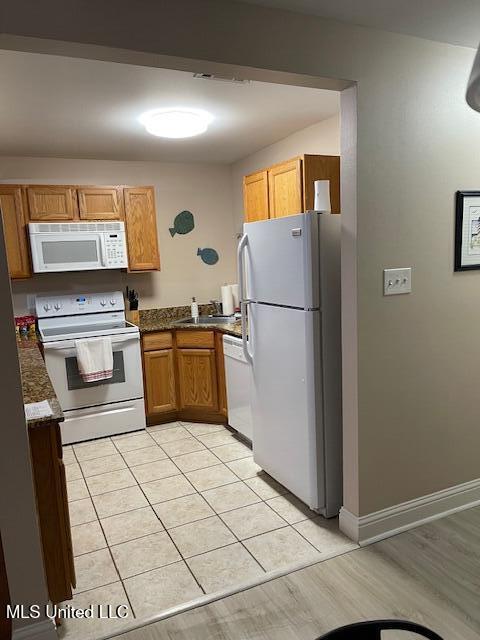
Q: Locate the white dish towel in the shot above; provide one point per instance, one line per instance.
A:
(95, 358)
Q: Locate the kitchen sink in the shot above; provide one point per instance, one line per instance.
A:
(208, 320)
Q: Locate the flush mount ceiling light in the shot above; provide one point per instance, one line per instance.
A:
(176, 123)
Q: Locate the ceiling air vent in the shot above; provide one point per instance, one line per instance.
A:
(220, 78)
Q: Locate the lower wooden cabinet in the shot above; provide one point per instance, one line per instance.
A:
(184, 376)
(53, 514)
(160, 387)
(197, 379)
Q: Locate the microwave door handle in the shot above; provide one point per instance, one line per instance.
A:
(102, 250)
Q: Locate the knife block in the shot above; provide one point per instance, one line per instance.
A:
(133, 316)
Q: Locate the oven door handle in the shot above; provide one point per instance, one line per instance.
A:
(70, 344)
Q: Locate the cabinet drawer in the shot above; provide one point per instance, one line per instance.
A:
(160, 340)
(196, 339)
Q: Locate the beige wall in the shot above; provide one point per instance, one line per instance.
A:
(203, 189)
(417, 144)
(322, 138)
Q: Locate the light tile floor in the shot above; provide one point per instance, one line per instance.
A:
(163, 516)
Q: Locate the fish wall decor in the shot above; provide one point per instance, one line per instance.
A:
(209, 256)
(183, 223)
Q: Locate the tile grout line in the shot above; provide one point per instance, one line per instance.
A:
(176, 547)
(109, 550)
(237, 540)
(287, 524)
(306, 539)
(166, 531)
(226, 525)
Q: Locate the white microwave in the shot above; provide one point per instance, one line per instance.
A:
(77, 246)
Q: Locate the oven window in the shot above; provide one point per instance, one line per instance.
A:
(75, 380)
(67, 251)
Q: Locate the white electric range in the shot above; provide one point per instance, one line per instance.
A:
(101, 408)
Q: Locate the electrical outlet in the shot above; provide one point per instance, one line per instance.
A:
(397, 281)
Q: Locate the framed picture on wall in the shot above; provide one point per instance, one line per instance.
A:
(467, 231)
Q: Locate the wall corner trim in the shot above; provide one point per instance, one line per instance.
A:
(42, 630)
(388, 522)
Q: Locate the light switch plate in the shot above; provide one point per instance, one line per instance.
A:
(396, 281)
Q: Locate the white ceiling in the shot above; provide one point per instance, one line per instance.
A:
(67, 107)
(453, 21)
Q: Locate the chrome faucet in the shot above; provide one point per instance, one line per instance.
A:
(217, 305)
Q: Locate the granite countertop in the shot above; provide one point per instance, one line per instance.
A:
(36, 384)
(166, 319)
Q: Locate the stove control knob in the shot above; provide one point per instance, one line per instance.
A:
(57, 307)
(47, 306)
(103, 302)
(113, 302)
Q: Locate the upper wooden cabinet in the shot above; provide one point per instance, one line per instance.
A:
(55, 203)
(141, 226)
(13, 207)
(287, 188)
(321, 168)
(47, 203)
(255, 196)
(100, 203)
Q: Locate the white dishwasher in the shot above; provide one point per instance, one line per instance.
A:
(238, 373)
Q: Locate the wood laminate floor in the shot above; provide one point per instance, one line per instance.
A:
(430, 574)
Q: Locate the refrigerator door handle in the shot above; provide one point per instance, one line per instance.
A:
(243, 302)
(240, 265)
(245, 342)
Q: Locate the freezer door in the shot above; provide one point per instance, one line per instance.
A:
(282, 261)
(287, 399)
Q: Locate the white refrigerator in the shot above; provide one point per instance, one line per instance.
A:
(289, 275)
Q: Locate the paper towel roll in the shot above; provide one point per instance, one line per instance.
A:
(227, 300)
(235, 296)
(322, 196)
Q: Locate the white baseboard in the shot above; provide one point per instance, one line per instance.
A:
(388, 522)
(41, 630)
